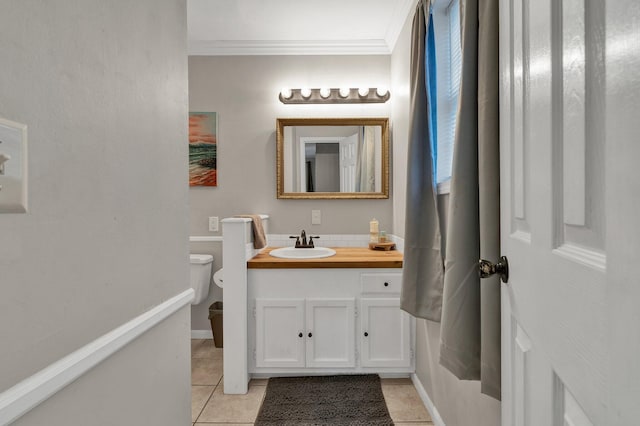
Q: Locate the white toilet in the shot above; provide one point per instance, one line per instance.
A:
(200, 276)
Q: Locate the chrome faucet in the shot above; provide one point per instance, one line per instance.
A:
(301, 241)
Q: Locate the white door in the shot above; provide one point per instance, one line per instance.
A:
(384, 333)
(280, 333)
(569, 192)
(348, 162)
(330, 332)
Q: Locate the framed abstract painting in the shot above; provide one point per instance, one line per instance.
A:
(203, 149)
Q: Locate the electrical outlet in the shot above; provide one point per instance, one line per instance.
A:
(213, 223)
(316, 217)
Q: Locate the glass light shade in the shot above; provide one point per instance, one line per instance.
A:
(306, 92)
(363, 91)
(286, 93)
(325, 92)
(344, 91)
(381, 91)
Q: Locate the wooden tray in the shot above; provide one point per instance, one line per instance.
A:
(382, 246)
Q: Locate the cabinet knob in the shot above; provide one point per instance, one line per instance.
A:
(386, 284)
(300, 334)
(310, 334)
(366, 334)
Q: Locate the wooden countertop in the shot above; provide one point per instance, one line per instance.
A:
(345, 257)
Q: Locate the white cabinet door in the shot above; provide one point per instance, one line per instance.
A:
(385, 336)
(280, 333)
(330, 333)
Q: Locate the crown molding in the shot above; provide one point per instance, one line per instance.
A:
(289, 47)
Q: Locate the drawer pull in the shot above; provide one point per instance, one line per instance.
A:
(300, 334)
(386, 284)
(310, 334)
(366, 334)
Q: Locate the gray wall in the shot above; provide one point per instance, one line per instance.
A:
(102, 86)
(460, 403)
(244, 91)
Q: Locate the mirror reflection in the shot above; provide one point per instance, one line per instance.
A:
(332, 158)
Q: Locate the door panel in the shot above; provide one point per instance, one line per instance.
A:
(348, 161)
(552, 194)
(622, 183)
(578, 166)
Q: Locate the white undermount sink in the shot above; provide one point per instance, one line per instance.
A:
(302, 253)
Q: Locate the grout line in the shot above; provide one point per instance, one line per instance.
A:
(214, 385)
(206, 402)
(204, 405)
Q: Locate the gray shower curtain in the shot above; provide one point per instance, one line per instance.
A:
(470, 328)
(423, 266)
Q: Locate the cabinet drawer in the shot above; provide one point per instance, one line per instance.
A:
(385, 283)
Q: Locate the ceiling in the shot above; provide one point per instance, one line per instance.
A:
(295, 27)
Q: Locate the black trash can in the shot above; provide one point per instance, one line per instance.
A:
(215, 316)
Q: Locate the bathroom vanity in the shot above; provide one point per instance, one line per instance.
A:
(339, 314)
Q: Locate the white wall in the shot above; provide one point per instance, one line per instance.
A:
(459, 403)
(244, 91)
(400, 74)
(102, 86)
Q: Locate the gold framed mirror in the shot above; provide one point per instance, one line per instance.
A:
(332, 158)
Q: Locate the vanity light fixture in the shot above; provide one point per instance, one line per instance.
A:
(334, 96)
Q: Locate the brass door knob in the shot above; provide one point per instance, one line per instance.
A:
(487, 269)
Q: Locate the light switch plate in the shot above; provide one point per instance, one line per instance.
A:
(213, 223)
(13, 171)
(316, 217)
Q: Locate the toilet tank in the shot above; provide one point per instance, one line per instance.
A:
(200, 276)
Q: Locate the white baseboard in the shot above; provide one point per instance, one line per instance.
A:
(32, 391)
(201, 334)
(433, 411)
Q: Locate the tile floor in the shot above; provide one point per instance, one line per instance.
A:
(210, 406)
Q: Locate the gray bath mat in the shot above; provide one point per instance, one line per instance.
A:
(324, 400)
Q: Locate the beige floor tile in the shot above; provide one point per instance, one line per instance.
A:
(205, 371)
(195, 343)
(199, 397)
(207, 349)
(414, 424)
(233, 408)
(397, 381)
(404, 403)
(223, 424)
(258, 382)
